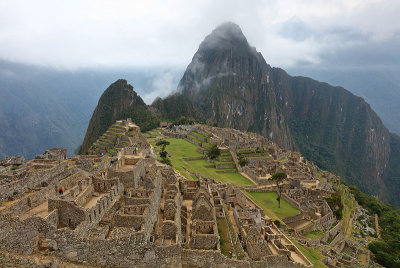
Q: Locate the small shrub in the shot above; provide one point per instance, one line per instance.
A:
(213, 152)
(15, 192)
(277, 223)
(243, 161)
(14, 168)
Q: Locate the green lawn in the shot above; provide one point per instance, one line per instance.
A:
(312, 255)
(225, 241)
(314, 234)
(180, 148)
(199, 134)
(268, 202)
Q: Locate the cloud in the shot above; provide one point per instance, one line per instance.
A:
(162, 83)
(122, 33)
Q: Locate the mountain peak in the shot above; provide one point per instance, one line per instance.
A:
(225, 35)
(228, 30)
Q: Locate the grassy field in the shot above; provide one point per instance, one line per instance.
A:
(225, 242)
(349, 205)
(268, 202)
(180, 148)
(314, 234)
(312, 255)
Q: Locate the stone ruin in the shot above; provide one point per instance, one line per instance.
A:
(125, 209)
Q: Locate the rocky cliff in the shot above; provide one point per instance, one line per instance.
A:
(336, 129)
(230, 83)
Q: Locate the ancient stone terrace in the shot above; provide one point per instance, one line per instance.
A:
(313, 209)
(123, 134)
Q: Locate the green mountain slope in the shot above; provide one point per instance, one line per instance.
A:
(336, 129)
(119, 101)
(173, 107)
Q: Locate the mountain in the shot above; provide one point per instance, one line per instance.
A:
(118, 101)
(229, 82)
(379, 86)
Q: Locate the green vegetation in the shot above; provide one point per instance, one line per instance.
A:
(243, 161)
(387, 250)
(163, 153)
(183, 121)
(179, 149)
(267, 201)
(279, 178)
(213, 152)
(175, 106)
(236, 244)
(200, 135)
(14, 168)
(225, 241)
(314, 234)
(311, 254)
(335, 203)
(142, 117)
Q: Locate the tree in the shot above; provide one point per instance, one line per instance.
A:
(213, 152)
(163, 153)
(183, 121)
(162, 143)
(279, 178)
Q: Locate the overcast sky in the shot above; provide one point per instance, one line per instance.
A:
(75, 34)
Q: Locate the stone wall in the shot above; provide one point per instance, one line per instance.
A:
(69, 214)
(204, 241)
(169, 229)
(130, 179)
(8, 260)
(295, 218)
(193, 158)
(85, 195)
(103, 185)
(16, 237)
(28, 202)
(291, 201)
(227, 165)
(34, 180)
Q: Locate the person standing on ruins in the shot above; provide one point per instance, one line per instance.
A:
(61, 191)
